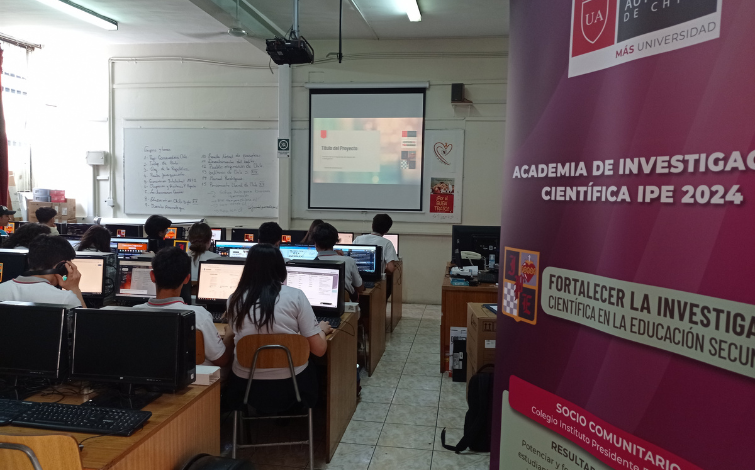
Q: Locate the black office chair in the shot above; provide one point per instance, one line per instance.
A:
(209, 462)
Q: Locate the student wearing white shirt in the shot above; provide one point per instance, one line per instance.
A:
(325, 237)
(200, 240)
(272, 233)
(381, 224)
(48, 256)
(171, 269)
(46, 216)
(262, 304)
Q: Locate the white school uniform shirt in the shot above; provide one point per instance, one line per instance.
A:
(389, 251)
(353, 279)
(213, 344)
(293, 314)
(195, 263)
(37, 289)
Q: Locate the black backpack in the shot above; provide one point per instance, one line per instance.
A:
(478, 422)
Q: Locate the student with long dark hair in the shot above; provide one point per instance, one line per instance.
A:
(200, 240)
(262, 304)
(23, 237)
(96, 238)
(308, 240)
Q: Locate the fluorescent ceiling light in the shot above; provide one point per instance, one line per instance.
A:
(82, 13)
(412, 9)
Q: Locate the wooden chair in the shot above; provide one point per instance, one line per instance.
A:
(200, 348)
(53, 452)
(272, 352)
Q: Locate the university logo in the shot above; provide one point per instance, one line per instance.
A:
(594, 25)
(521, 283)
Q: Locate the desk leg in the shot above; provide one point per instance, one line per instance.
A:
(341, 394)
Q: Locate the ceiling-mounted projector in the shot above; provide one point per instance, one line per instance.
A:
(294, 50)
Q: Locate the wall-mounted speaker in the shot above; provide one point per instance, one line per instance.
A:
(457, 92)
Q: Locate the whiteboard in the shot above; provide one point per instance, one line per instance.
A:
(202, 172)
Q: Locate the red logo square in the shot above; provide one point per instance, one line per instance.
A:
(594, 25)
(323, 134)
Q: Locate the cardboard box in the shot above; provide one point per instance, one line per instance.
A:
(481, 326)
(66, 210)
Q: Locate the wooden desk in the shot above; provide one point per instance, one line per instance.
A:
(182, 425)
(337, 378)
(397, 297)
(454, 307)
(372, 305)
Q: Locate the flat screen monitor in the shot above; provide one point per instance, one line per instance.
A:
(369, 259)
(12, 263)
(233, 249)
(124, 230)
(129, 247)
(345, 238)
(244, 234)
(77, 229)
(293, 237)
(92, 269)
(41, 354)
(171, 233)
(218, 279)
(137, 346)
(182, 244)
(218, 234)
(299, 252)
(134, 280)
(322, 282)
(481, 239)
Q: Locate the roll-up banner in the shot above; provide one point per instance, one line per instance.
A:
(626, 335)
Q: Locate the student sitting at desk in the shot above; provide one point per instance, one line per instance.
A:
(46, 254)
(262, 304)
(307, 240)
(156, 227)
(5, 214)
(23, 237)
(381, 224)
(272, 233)
(96, 238)
(171, 269)
(200, 239)
(325, 236)
(46, 216)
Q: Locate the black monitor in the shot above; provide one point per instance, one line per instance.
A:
(92, 268)
(217, 280)
(481, 239)
(182, 244)
(322, 282)
(12, 263)
(293, 237)
(128, 248)
(77, 229)
(244, 234)
(135, 285)
(218, 234)
(33, 340)
(125, 230)
(177, 232)
(299, 252)
(134, 346)
(233, 249)
(369, 259)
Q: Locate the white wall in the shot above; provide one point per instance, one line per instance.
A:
(172, 93)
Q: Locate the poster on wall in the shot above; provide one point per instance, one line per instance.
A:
(629, 184)
(444, 171)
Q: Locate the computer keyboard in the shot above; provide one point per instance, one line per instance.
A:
(369, 285)
(334, 322)
(76, 418)
(487, 278)
(10, 409)
(219, 317)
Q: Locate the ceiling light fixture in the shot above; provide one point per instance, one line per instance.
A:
(82, 13)
(412, 9)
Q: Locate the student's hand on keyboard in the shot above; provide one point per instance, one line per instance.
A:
(325, 327)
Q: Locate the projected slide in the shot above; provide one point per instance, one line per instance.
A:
(366, 149)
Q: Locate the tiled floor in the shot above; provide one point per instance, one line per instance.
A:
(401, 412)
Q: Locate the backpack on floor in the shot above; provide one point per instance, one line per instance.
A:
(478, 422)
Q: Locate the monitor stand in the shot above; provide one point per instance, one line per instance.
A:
(129, 399)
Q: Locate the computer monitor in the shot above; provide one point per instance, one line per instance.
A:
(10, 228)
(218, 234)
(77, 229)
(345, 238)
(484, 240)
(125, 230)
(134, 281)
(322, 282)
(369, 259)
(299, 252)
(182, 244)
(244, 234)
(218, 279)
(42, 354)
(135, 346)
(92, 269)
(172, 233)
(128, 248)
(293, 237)
(12, 263)
(233, 249)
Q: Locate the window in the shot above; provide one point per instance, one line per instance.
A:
(16, 107)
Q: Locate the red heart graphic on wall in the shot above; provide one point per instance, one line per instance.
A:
(529, 270)
(442, 150)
